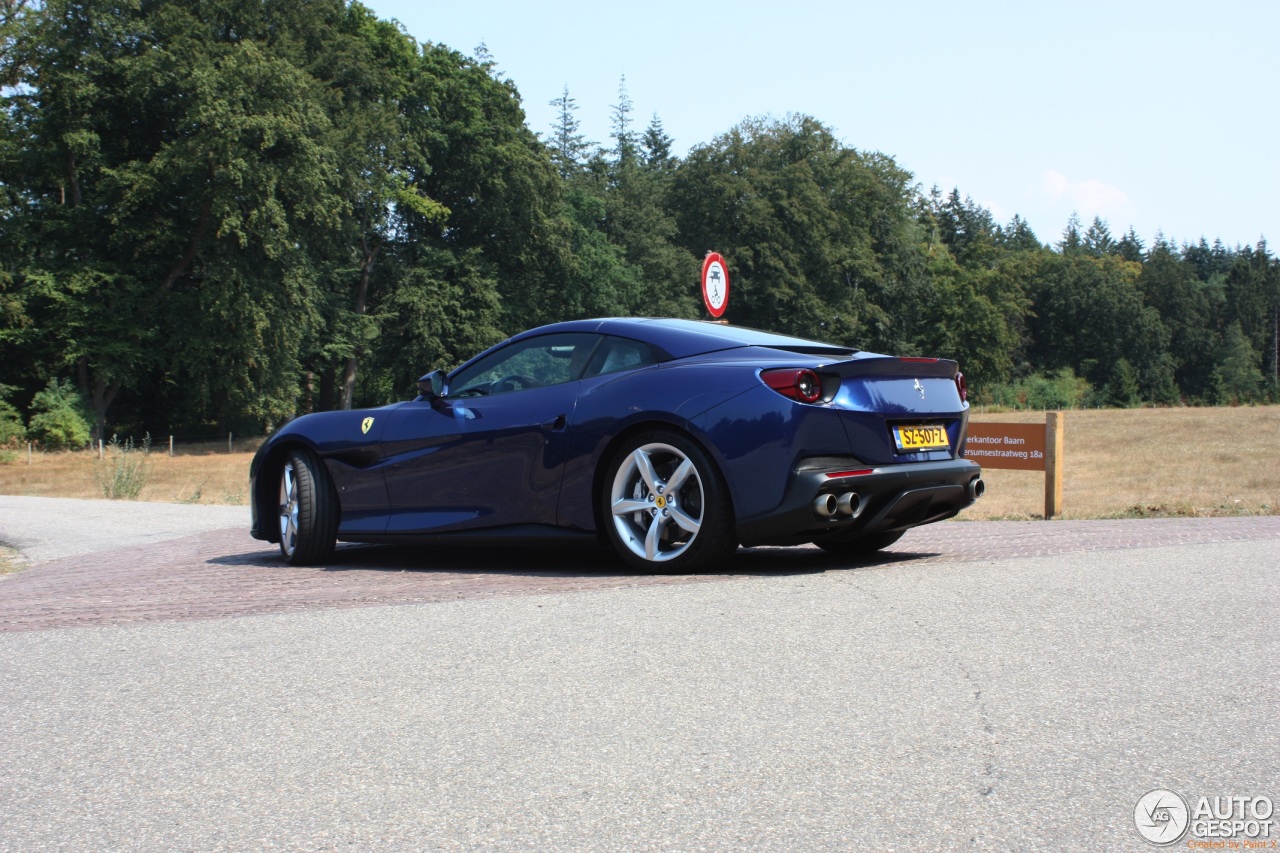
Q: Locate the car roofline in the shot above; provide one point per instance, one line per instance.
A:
(683, 338)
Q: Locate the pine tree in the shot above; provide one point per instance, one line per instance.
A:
(1018, 236)
(569, 148)
(1121, 390)
(624, 138)
(1130, 247)
(1169, 285)
(1071, 242)
(1098, 241)
(1237, 377)
(656, 146)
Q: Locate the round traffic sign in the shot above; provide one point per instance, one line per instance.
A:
(715, 284)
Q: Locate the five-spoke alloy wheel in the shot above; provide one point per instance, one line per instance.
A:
(666, 506)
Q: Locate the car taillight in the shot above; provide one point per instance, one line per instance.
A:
(797, 383)
(962, 387)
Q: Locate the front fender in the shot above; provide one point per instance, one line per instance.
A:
(347, 441)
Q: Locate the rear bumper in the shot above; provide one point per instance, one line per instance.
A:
(889, 498)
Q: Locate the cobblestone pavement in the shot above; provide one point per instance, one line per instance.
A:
(224, 573)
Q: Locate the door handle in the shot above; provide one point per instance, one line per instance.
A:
(555, 424)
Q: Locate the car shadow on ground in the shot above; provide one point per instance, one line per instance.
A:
(562, 562)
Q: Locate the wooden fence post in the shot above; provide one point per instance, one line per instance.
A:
(1053, 430)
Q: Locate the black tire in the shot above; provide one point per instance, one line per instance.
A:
(661, 526)
(863, 547)
(308, 513)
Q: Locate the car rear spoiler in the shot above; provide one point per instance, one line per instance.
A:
(883, 365)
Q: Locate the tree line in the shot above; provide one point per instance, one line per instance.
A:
(225, 213)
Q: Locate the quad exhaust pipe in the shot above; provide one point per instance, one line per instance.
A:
(848, 505)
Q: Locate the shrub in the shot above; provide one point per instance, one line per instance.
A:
(12, 432)
(1061, 390)
(59, 417)
(124, 473)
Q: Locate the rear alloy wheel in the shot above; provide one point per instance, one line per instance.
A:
(308, 510)
(863, 547)
(666, 506)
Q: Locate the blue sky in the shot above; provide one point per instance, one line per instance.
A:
(1160, 116)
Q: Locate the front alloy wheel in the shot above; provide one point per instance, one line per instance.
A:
(666, 505)
(308, 510)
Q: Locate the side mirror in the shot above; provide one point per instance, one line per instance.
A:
(432, 385)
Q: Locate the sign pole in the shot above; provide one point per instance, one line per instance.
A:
(1053, 431)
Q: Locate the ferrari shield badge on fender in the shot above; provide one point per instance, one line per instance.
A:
(365, 425)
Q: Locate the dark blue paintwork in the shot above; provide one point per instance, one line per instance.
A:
(531, 460)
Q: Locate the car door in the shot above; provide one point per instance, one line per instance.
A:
(491, 451)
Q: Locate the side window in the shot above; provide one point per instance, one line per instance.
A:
(617, 354)
(532, 363)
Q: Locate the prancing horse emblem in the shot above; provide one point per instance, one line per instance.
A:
(367, 423)
(920, 388)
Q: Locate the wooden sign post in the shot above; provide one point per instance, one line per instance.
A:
(1023, 447)
(1053, 430)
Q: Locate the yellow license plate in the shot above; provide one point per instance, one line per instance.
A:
(920, 438)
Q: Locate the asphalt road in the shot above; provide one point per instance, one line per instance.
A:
(43, 529)
(1010, 704)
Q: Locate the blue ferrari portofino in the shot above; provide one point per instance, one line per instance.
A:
(673, 441)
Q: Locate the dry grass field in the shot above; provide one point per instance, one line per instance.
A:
(1131, 463)
(195, 474)
(1119, 463)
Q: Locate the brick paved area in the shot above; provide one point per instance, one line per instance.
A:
(224, 573)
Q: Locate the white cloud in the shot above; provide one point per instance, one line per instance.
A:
(1088, 197)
